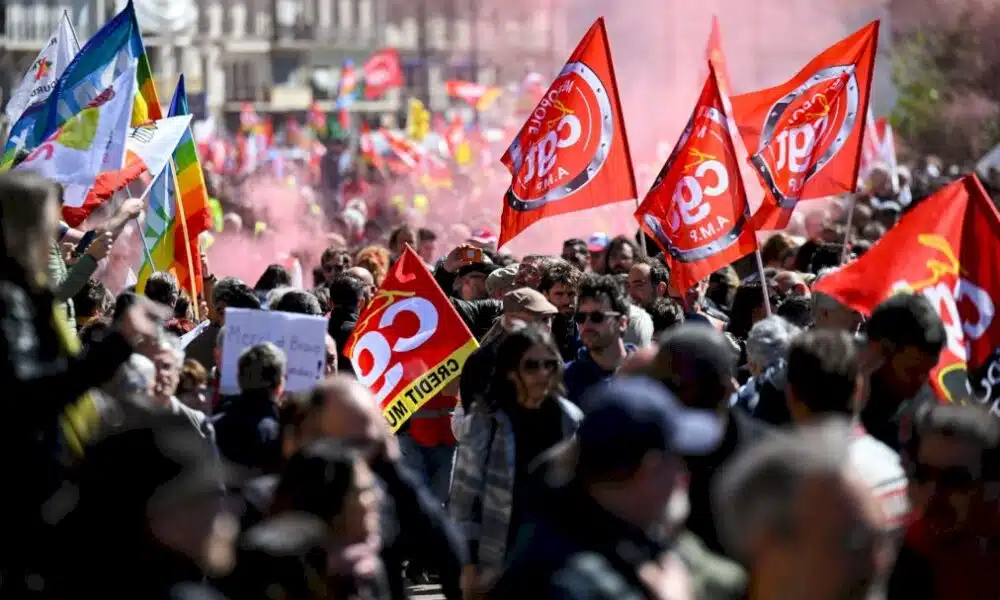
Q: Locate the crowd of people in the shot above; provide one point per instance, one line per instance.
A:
(611, 437)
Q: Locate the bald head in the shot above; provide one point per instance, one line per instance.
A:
(346, 410)
(361, 274)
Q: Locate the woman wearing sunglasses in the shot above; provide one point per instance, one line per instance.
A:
(524, 414)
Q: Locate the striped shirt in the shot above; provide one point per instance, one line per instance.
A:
(880, 468)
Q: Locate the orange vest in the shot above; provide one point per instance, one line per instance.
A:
(431, 425)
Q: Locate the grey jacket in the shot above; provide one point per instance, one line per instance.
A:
(483, 485)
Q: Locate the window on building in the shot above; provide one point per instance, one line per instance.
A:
(242, 80)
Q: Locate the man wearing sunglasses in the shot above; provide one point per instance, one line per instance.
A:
(602, 317)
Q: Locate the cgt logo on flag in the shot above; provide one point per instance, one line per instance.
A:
(565, 141)
(409, 343)
(572, 153)
(696, 209)
(804, 130)
(804, 135)
(944, 249)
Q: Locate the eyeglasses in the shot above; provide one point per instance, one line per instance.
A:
(531, 365)
(597, 317)
(953, 478)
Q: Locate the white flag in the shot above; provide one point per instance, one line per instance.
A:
(37, 83)
(147, 149)
(75, 153)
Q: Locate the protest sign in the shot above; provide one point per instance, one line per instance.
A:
(301, 337)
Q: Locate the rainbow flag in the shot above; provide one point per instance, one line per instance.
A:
(164, 233)
(102, 60)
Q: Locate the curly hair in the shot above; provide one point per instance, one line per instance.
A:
(376, 259)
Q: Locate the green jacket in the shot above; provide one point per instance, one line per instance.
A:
(66, 283)
(713, 577)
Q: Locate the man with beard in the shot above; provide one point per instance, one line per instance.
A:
(905, 339)
(620, 256)
(574, 251)
(602, 317)
(559, 285)
(648, 280)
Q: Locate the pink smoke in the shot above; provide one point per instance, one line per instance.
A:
(659, 56)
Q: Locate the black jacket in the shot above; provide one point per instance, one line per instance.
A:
(479, 315)
(247, 431)
(419, 527)
(474, 380)
(742, 431)
(562, 560)
(40, 378)
(340, 327)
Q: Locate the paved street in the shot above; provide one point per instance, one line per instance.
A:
(425, 592)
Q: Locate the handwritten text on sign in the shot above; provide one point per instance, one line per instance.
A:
(301, 337)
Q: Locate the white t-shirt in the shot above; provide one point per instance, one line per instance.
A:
(879, 466)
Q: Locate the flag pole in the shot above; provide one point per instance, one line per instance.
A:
(142, 237)
(187, 240)
(642, 234)
(846, 252)
(763, 281)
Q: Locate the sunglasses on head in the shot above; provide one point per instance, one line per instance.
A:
(597, 317)
(957, 478)
(533, 366)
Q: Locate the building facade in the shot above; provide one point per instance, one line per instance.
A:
(279, 55)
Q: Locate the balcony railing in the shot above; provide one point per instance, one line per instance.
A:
(31, 21)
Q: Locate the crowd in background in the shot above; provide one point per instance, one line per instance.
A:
(612, 437)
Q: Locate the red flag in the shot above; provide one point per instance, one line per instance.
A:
(697, 209)
(945, 249)
(367, 147)
(717, 58)
(409, 343)
(572, 153)
(805, 135)
(382, 72)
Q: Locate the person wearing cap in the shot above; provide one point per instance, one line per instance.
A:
(523, 305)
(501, 281)
(698, 365)
(483, 238)
(602, 317)
(612, 499)
(597, 245)
(522, 415)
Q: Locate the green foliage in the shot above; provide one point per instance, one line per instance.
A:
(919, 83)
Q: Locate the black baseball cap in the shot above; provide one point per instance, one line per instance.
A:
(695, 354)
(626, 417)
